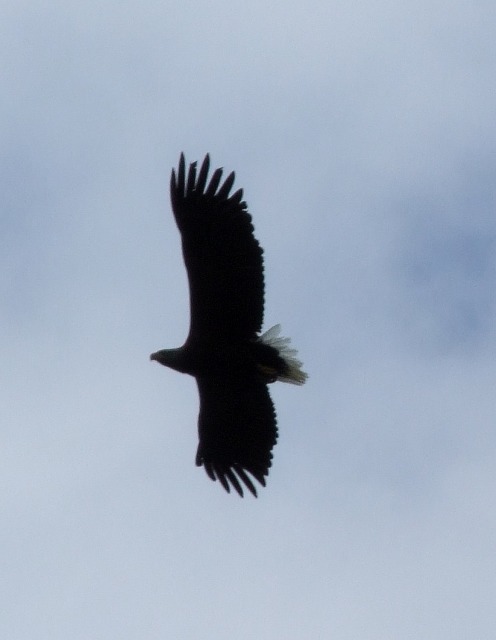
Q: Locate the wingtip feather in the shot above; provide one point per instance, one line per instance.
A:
(202, 176)
(214, 182)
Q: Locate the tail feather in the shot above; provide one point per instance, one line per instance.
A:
(294, 373)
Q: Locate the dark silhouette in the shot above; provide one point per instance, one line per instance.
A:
(231, 362)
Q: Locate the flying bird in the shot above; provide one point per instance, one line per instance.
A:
(225, 351)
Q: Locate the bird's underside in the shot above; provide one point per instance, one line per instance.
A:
(224, 351)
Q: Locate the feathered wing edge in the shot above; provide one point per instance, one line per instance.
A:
(186, 184)
(230, 474)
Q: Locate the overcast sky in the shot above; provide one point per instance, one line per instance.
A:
(364, 136)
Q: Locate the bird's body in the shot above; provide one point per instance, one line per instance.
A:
(231, 362)
(247, 358)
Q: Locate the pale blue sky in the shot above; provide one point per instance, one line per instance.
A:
(364, 137)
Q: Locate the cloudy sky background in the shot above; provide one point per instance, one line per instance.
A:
(364, 135)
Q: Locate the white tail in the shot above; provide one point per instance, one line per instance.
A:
(295, 374)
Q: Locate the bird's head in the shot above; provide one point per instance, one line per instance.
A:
(172, 358)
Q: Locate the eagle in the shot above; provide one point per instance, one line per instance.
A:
(232, 361)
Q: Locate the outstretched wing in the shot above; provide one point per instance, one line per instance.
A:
(237, 431)
(223, 259)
